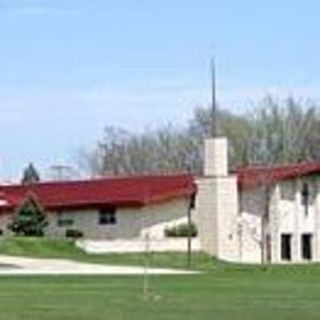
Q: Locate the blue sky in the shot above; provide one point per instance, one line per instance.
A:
(70, 67)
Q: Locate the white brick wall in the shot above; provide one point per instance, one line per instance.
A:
(206, 215)
(227, 209)
(287, 216)
(138, 245)
(217, 203)
(131, 222)
(216, 157)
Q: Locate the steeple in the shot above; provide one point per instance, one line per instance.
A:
(216, 146)
(217, 194)
(214, 129)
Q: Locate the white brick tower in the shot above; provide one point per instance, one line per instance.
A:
(217, 197)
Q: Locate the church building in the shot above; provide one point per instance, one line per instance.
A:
(258, 214)
(252, 215)
(255, 214)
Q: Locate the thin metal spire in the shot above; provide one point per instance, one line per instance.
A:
(214, 116)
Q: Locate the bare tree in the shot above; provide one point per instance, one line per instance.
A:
(283, 133)
(272, 132)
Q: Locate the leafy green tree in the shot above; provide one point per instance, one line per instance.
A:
(29, 220)
(30, 175)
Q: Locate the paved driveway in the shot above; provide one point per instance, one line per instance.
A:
(10, 265)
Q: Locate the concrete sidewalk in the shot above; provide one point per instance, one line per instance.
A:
(10, 265)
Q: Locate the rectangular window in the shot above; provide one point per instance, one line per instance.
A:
(306, 246)
(64, 220)
(192, 203)
(286, 247)
(305, 197)
(107, 216)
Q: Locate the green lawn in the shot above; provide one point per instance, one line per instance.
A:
(217, 295)
(53, 248)
(223, 292)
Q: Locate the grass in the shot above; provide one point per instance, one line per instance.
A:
(224, 291)
(65, 249)
(221, 295)
(38, 247)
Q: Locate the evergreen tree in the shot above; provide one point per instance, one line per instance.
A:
(30, 175)
(29, 220)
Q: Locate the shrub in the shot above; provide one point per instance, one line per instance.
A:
(182, 230)
(74, 233)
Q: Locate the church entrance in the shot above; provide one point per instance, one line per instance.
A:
(286, 247)
(306, 246)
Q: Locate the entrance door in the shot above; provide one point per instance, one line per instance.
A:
(306, 246)
(286, 247)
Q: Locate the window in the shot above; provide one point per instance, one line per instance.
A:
(305, 193)
(64, 220)
(192, 204)
(107, 216)
(286, 247)
(306, 246)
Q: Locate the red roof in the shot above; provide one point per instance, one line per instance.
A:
(253, 176)
(119, 191)
(138, 190)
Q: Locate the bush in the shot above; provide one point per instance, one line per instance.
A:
(182, 230)
(74, 233)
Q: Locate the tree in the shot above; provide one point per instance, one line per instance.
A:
(273, 132)
(161, 151)
(30, 175)
(29, 220)
(284, 132)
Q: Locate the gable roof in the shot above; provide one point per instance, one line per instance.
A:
(254, 176)
(118, 191)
